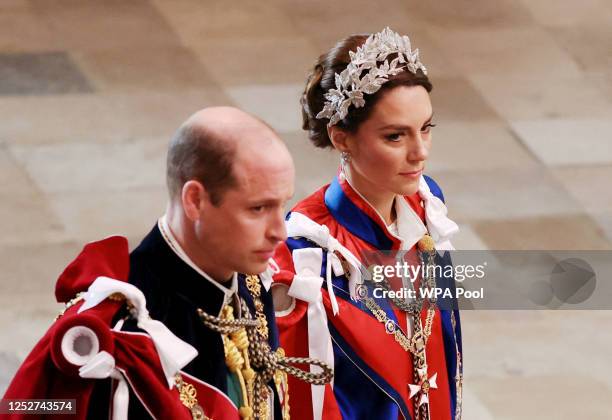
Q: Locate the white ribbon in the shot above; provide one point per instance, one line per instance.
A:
(121, 399)
(173, 352)
(267, 276)
(306, 285)
(101, 366)
(440, 227)
(299, 225)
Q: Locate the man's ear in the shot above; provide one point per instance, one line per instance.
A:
(339, 138)
(193, 198)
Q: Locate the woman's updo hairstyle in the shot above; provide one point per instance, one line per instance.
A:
(322, 79)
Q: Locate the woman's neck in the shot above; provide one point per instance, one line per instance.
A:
(382, 201)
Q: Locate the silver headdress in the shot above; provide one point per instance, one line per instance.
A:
(350, 86)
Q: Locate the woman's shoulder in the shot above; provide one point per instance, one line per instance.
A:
(310, 218)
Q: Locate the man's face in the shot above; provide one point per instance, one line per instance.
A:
(241, 232)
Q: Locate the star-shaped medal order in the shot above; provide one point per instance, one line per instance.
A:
(423, 386)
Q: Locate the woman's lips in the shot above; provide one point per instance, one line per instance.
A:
(413, 174)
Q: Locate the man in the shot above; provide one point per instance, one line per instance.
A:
(229, 177)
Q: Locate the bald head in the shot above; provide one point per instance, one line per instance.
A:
(207, 145)
(231, 124)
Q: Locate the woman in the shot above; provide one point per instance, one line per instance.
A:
(368, 98)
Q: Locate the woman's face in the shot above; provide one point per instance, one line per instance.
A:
(389, 149)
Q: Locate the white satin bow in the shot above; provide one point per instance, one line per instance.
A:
(173, 352)
(440, 227)
(299, 225)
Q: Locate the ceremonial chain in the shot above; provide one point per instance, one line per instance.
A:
(417, 343)
(249, 356)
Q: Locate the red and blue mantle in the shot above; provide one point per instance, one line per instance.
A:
(372, 371)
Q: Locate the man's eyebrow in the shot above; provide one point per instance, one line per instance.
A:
(266, 201)
(263, 200)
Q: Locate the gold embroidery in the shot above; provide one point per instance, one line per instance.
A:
(189, 398)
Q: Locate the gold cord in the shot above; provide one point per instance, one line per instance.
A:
(249, 355)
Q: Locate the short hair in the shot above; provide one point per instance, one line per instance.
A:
(197, 153)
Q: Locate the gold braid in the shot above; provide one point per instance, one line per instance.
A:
(249, 356)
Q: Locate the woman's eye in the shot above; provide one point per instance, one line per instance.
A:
(258, 209)
(393, 136)
(427, 128)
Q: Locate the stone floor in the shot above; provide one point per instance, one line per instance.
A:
(90, 91)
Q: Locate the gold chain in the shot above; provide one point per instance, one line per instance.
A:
(69, 304)
(249, 355)
(410, 345)
(419, 339)
(416, 345)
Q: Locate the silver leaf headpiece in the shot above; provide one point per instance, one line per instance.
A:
(350, 86)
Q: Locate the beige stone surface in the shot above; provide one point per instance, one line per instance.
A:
(505, 51)
(468, 239)
(92, 25)
(106, 118)
(456, 98)
(527, 97)
(327, 22)
(566, 12)
(159, 68)
(194, 21)
(262, 60)
(589, 185)
(89, 216)
(472, 13)
(560, 232)
(25, 214)
(588, 43)
(532, 363)
(566, 142)
(59, 168)
(476, 146)
(504, 194)
(40, 264)
(22, 30)
(282, 110)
